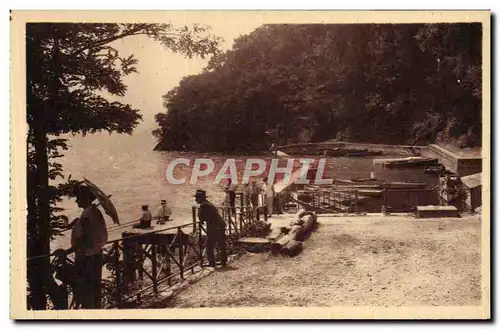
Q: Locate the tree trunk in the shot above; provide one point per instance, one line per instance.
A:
(293, 248)
(292, 235)
(278, 245)
(307, 227)
(39, 239)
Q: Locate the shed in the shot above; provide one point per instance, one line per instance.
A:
(472, 187)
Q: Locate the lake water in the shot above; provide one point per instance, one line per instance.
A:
(127, 167)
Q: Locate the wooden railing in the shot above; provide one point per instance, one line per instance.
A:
(407, 200)
(342, 199)
(330, 200)
(139, 265)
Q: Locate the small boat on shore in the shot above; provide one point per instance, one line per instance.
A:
(355, 182)
(358, 186)
(282, 154)
(371, 193)
(338, 152)
(363, 153)
(343, 181)
(403, 185)
(364, 179)
(433, 170)
(407, 162)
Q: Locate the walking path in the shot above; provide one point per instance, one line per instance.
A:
(355, 261)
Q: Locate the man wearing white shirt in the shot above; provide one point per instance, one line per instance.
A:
(88, 236)
(270, 193)
(164, 212)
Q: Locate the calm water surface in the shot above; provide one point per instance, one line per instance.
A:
(127, 167)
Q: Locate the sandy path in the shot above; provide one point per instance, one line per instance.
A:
(356, 262)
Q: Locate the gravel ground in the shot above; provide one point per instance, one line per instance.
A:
(364, 261)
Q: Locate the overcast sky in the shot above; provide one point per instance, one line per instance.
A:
(160, 70)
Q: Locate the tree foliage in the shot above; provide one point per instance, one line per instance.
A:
(404, 83)
(69, 67)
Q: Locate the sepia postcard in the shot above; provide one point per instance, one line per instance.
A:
(250, 165)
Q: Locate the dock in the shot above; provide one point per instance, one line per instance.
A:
(436, 211)
(462, 165)
(355, 261)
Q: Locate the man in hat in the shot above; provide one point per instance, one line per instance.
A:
(231, 196)
(146, 218)
(269, 196)
(164, 212)
(88, 236)
(216, 228)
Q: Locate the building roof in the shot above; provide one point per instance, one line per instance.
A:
(472, 181)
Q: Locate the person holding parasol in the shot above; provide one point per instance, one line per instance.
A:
(88, 236)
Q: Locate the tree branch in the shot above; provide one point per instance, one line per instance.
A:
(109, 40)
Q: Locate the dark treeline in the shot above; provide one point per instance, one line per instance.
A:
(379, 83)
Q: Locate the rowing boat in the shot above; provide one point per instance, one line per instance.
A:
(371, 193)
(355, 183)
(403, 185)
(409, 162)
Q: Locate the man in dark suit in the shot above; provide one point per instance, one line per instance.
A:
(216, 228)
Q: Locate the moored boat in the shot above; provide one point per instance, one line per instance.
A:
(358, 186)
(371, 193)
(410, 162)
(434, 169)
(357, 183)
(364, 179)
(403, 185)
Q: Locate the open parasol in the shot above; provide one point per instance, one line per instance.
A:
(104, 201)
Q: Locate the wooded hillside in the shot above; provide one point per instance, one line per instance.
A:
(378, 83)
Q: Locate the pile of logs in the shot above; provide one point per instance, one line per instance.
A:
(291, 243)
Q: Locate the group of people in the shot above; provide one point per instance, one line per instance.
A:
(162, 215)
(89, 233)
(450, 190)
(254, 195)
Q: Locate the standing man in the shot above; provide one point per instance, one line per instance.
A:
(274, 149)
(254, 194)
(247, 193)
(270, 194)
(231, 193)
(216, 228)
(164, 213)
(88, 237)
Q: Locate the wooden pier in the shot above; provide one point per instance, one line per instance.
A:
(461, 165)
(145, 262)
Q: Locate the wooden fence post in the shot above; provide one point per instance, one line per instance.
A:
(241, 217)
(242, 203)
(193, 211)
(356, 210)
(181, 251)
(200, 244)
(118, 292)
(154, 262)
(385, 198)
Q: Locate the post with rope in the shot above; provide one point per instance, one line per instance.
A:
(181, 251)
(128, 266)
(242, 209)
(356, 210)
(193, 213)
(200, 244)
(118, 292)
(154, 264)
